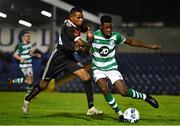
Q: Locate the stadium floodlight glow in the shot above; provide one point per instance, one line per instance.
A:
(25, 23)
(3, 15)
(45, 13)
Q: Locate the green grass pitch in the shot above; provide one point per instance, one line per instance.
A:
(53, 108)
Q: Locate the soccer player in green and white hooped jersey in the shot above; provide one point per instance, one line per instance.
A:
(105, 67)
(24, 54)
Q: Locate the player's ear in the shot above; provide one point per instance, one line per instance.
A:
(71, 16)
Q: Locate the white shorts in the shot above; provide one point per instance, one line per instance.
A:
(112, 75)
(27, 71)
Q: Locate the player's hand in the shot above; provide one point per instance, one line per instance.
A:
(22, 60)
(89, 34)
(38, 55)
(155, 46)
(76, 46)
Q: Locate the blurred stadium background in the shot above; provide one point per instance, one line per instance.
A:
(156, 21)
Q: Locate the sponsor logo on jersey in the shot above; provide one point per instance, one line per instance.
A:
(104, 51)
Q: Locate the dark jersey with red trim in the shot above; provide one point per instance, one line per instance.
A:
(69, 34)
(63, 57)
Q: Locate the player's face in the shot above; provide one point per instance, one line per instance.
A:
(106, 29)
(77, 18)
(26, 37)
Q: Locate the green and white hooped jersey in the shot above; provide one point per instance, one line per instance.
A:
(104, 51)
(24, 51)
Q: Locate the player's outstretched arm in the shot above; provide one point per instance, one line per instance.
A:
(83, 46)
(138, 43)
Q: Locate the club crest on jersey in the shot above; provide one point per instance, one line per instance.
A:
(104, 51)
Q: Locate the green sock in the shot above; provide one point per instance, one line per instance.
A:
(18, 80)
(135, 94)
(29, 88)
(112, 102)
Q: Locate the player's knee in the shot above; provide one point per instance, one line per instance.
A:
(104, 90)
(30, 81)
(123, 93)
(82, 74)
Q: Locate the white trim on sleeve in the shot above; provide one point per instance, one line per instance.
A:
(123, 39)
(77, 38)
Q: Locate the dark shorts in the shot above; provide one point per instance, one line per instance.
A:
(58, 62)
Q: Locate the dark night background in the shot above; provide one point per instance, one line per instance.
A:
(166, 11)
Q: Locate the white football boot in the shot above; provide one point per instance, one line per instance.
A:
(25, 107)
(93, 111)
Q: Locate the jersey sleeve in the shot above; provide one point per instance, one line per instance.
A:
(120, 39)
(16, 51)
(19, 49)
(72, 33)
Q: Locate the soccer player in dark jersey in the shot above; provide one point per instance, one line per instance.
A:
(62, 58)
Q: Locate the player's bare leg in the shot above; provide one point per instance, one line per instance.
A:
(109, 98)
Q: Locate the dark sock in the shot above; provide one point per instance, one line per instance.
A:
(35, 91)
(89, 93)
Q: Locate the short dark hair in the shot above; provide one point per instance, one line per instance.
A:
(75, 9)
(26, 32)
(106, 19)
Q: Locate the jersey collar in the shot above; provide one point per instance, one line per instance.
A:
(70, 23)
